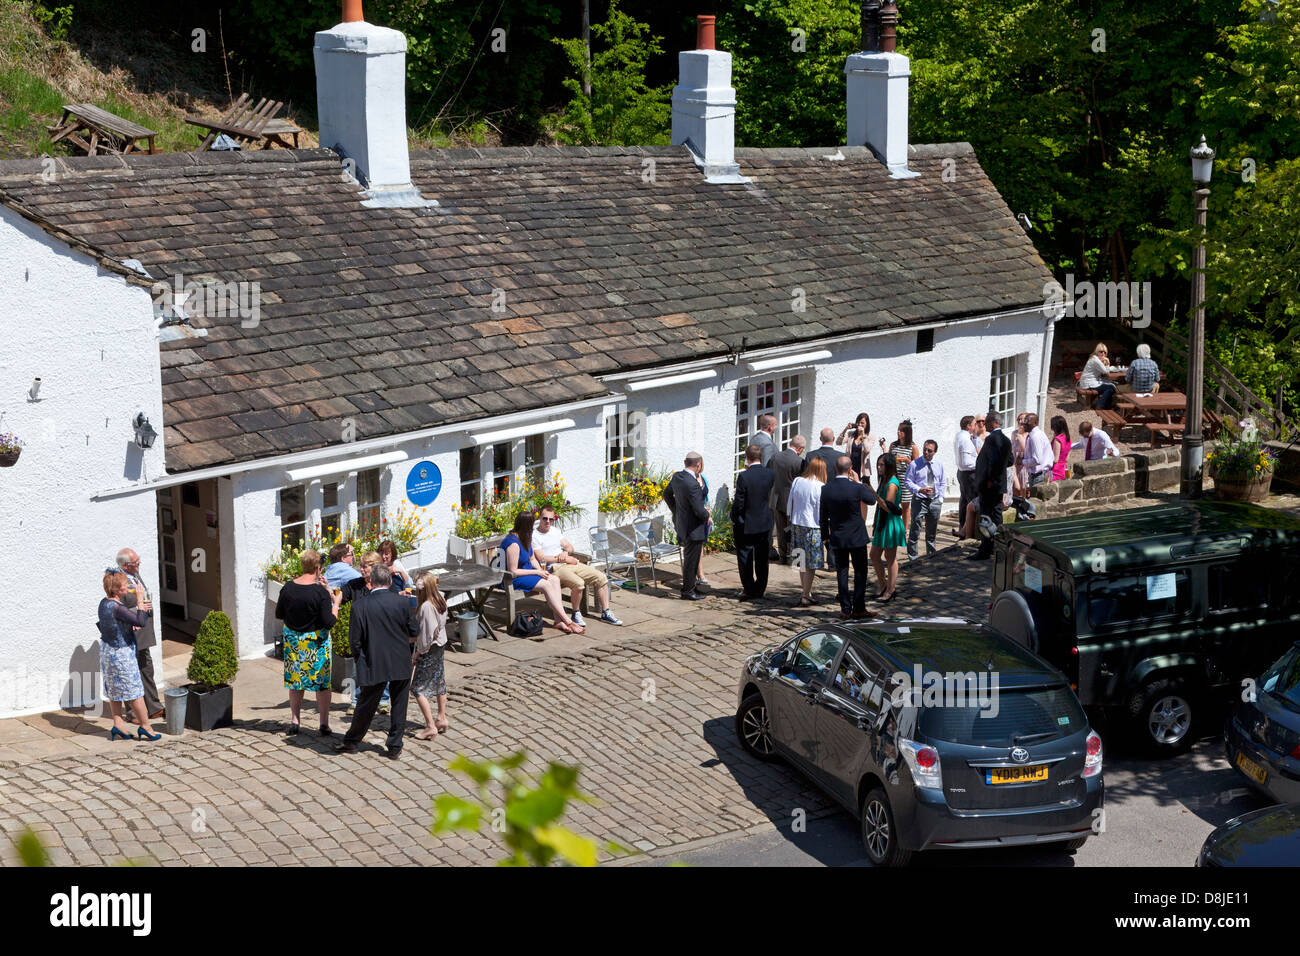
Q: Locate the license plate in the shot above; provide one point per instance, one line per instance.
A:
(1251, 769)
(996, 775)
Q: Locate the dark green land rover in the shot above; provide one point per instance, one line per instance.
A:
(1156, 615)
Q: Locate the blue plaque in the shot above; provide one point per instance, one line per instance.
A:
(423, 484)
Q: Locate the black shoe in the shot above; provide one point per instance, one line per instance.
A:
(325, 731)
(292, 731)
(978, 556)
(345, 748)
(394, 754)
(744, 596)
(692, 596)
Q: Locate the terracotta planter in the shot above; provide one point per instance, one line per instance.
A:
(9, 458)
(1242, 488)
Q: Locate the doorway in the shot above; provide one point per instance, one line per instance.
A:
(189, 549)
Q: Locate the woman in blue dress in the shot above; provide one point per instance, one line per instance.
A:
(117, 656)
(517, 549)
(889, 533)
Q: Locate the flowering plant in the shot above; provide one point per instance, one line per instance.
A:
(1242, 454)
(404, 528)
(9, 442)
(497, 514)
(642, 488)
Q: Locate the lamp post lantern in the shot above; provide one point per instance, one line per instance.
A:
(1193, 464)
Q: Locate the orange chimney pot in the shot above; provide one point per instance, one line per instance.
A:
(352, 12)
(703, 32)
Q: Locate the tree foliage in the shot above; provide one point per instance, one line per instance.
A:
(214, 661)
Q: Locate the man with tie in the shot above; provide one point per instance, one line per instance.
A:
(924, 479)
(685, 498)
(966, 451)
(995, 458)
(845, 531)
(145, 637)
(787, 465)
(751, 517)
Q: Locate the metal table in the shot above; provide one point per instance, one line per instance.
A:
(475, 581)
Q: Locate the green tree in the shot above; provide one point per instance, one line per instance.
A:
(214, 662)
(622, 109)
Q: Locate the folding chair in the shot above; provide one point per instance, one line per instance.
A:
(614, 549)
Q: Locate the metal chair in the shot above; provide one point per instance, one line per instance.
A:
(614, 549)
(661, 549)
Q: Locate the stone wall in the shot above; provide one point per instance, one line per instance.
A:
(1109, 481)
(1287, 474)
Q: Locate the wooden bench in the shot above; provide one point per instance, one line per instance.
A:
(1111, 417)
(1084, 396)
(492, 549)
(96, 130)
(1162, 432)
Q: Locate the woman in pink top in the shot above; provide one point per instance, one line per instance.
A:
(1061, 444)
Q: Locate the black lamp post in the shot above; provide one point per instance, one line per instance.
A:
(1193, 465)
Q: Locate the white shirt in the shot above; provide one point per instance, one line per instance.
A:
(1095, 372)
(1038, 452)
(548, 543)
(804, 505)
(966, 451)
(1097, 445)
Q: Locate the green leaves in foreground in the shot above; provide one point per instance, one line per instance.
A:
(31, 851)
(529, 818)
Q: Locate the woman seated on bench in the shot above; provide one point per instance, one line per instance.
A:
(1096, 375)
(517, 548)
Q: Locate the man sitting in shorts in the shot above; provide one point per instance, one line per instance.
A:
(551, 548)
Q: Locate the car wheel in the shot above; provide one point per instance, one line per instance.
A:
(1164, 717)
(1076, 844)
(879, 834)
(754, 728)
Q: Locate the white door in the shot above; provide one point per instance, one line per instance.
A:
(776, 396)
(171, 549)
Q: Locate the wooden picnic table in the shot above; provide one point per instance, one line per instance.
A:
(1161, 403)
(96, 130)
(475, 581)
(279, 132)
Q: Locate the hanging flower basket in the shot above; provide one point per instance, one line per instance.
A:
(10, 449)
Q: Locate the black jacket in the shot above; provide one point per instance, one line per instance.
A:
(991, 464)
(690, 512)
(786, 467)
(751, 509)
(382, 629)
(827, 453)
(841, 512)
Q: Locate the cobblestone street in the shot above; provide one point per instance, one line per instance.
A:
(649, 719)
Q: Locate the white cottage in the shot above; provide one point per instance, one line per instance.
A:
(492, 312)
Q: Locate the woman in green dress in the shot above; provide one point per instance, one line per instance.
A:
(888, 534)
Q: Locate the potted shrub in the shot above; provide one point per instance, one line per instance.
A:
(10, 449)
(342, 667)
(1241, 464)
(212, 667)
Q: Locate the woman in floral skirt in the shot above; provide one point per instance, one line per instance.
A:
(308, 610)
(429, 680)
(117, 656)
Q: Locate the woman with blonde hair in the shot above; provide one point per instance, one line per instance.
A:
(804, 508)
(117, 656)
(1096, 375)
(426, 658)
(308, 610)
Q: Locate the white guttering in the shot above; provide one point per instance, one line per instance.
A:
(777, 350)
(641, 384)
(348, 464)
(523, 431)
(788, 361)
(319, 454)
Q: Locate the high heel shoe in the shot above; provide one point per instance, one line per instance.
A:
(114, 734)
(143, 734)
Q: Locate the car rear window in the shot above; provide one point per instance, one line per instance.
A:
(1282, 680)
(1007, 718)
(1137, 597)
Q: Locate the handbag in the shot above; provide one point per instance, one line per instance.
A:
(526, 624)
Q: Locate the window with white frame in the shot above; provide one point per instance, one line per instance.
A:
(488, 471)
(333, 511)
(293, 515)
(776, 396)
(370, 512)
(471, 477)
(503, 469)
(1002, 388)
(535, 460)
(620, 454)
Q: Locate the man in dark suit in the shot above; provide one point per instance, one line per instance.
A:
(763, 438)
(827, 453)
(751, 517)
(991, 466)
(845, 530)
(381, 632)
(685, 497)
(787, 465)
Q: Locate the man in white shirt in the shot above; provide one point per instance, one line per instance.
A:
(924, 478)
(1095, 443)
(1038, 452)
(965, 453)
(554, 552)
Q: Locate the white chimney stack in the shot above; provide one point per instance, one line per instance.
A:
(361, 103)
(877, 90)
(704, 107)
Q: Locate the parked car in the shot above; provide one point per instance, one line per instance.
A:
(1262, 737)
(1268, 837)
(1156, 615)
(934, 733)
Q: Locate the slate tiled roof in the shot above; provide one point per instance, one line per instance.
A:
(610, 260)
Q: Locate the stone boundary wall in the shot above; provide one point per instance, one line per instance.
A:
(1109, 481)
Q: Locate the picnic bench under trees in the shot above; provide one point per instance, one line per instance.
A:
(98, 131)
(249, 124)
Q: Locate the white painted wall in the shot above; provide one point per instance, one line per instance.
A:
(90, 337)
